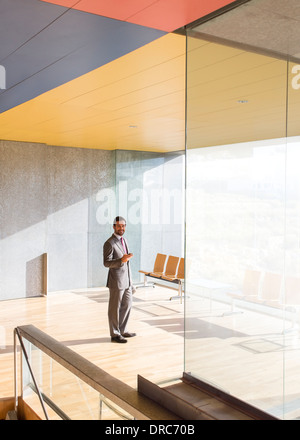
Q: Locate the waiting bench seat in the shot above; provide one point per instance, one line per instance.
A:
(159, 265)
(271, 290)
(167, 268)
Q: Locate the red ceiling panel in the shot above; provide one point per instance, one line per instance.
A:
(165, 15)
(119, 9)
(169, 15)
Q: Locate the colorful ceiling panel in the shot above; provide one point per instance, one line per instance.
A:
(166, 15)
(95, 73)
(45, 45)
(135, 102)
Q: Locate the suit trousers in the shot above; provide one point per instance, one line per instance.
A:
(119, 307)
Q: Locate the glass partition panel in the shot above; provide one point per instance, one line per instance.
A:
(291, 285)
(65, 396)
(243, 208)
(150, 195)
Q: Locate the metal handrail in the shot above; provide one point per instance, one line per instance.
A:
(111, 389)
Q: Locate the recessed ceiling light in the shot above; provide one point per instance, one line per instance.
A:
(242, 101)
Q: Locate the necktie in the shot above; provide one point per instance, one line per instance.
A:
(123, 244)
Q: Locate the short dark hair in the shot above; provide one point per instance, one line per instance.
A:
(119, 219)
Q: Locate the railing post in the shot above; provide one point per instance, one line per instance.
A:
(31, 373)
(15, 372)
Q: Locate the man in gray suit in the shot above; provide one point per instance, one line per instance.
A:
(116, 257)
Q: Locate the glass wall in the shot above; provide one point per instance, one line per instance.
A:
(63, 393)
(243, 209)
(150, 195)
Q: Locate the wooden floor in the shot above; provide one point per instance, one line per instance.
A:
(248, 352)
(78, 319)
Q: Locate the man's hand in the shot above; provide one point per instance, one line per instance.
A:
(126, 257)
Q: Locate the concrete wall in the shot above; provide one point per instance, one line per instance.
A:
(61, 201)
(48, 204)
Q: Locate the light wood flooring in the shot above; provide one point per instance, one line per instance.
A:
(78, 319)
(246, 354)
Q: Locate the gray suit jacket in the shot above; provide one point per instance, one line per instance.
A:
(119, 275)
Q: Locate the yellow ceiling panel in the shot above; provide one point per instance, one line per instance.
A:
(98, 109)
(138, 101)
(158, 52)
(234, 95)
(140, 81)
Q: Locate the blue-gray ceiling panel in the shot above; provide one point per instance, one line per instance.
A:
(59, 46)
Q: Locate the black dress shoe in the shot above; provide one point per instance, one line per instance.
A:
(119, 339)
(128, 335)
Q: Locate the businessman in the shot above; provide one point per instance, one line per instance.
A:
(116, 258)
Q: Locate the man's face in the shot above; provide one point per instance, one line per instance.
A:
(120, 227)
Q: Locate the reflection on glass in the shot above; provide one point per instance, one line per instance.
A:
(149, 193)
(65, 396)
(243, 224)
(236, 227)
